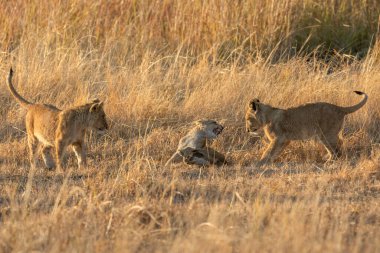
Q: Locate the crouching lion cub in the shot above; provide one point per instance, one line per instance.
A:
(321, 120)
(55, 128)
(192, 148)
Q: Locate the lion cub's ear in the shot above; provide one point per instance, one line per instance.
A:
(254, 104)
(204, 122)
(96, 107)
(95, 100)
(199, 122)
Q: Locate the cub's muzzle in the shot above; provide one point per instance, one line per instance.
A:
(218, 130)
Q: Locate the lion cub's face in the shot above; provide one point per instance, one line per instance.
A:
(252, 117)
(97, 117)
(210, 127)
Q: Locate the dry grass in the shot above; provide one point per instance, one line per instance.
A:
(160, 65)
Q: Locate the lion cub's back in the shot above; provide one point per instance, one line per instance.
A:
(194, 139)
(307, 120)
(43, 120)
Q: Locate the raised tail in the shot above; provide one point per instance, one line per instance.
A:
(15, 94)
(356, 107)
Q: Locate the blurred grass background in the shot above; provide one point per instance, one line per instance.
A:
(159, 65)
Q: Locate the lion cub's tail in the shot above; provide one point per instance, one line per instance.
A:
(17, 96)
(356, 107)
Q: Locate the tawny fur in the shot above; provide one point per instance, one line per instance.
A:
(53, 128)
(193, 149)
(321, 120)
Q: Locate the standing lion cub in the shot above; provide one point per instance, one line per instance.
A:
(192, 148)
(321, 120)
(55, 128)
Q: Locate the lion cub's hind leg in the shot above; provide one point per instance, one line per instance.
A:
(333, 145)
(33, 146)
(47, 156)
(197, 158)
(189, 156)
(33, 143)
(329, 136)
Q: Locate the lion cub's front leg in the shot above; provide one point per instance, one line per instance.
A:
(60, 146)
(203, 157)
(214, 156)
(197, 157)
(47, 157)
(80, 151)
(274, 149)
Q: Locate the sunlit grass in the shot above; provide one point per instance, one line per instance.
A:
(159, 65)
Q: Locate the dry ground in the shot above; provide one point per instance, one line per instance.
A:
(127, 201)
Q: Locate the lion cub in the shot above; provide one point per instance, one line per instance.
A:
(192, 148)
(321, 120)
(55, 128)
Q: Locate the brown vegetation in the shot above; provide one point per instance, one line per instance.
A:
(159, 65)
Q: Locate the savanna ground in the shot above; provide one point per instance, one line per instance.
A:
(159, 65)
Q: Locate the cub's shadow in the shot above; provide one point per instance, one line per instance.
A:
(291, 168)
(253, 171)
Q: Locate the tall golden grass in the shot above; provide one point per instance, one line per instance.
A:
(159, 65)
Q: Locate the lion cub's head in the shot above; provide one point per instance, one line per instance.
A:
(254, 117)
(97, 117)
(210, 127)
